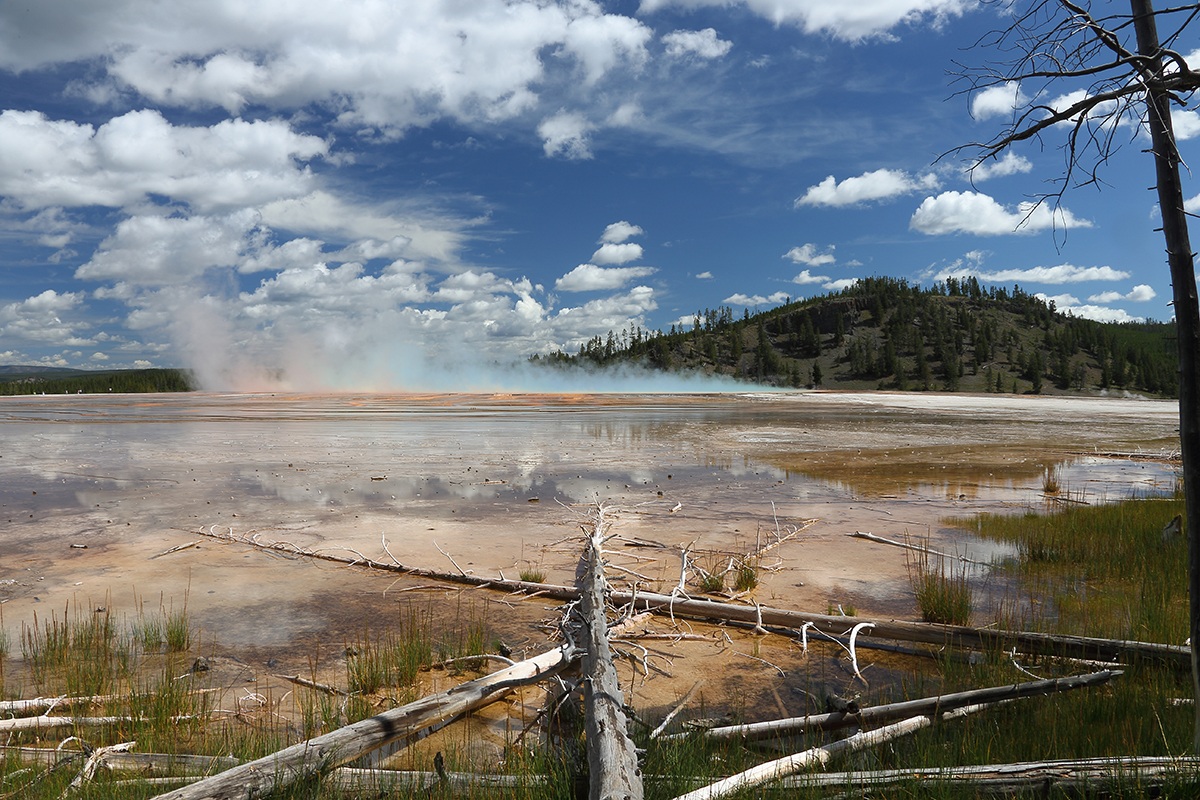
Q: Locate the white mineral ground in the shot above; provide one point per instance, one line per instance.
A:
(93, 487)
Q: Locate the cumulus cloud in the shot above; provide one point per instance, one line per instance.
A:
(590, 278)
(1138, 294)
(1070, 305)
(45, 162)
(881, 184)
(972, 212)
(1008, 164)
(610, 253)
(806, 277)
(811, 254)
(704, 276)
(383, 65)
(697, 44)
(38, 319)
(565, 135)
(1063, 273)
(998, 101)
(847, 21)
(619, 232)
(740, 299)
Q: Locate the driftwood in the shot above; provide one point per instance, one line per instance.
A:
(816, 756)
(323, 753)
(612, 760)
(145, 763)
(996, 639)
(929, 551)
(874, 715)
(1044, 777)
(1079, 647)
(44, 723)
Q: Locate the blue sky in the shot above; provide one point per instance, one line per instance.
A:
(362, 193)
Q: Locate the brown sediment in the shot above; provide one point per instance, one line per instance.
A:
(92, 489)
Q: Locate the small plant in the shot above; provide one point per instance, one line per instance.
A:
(746, 577)
(1050, 482)
(943, 593)
(178, 632)
(533, 575)
(712, 582)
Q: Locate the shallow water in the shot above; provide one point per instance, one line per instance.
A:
(497, 481)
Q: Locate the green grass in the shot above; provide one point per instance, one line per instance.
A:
(1091, 570)
(942, 588)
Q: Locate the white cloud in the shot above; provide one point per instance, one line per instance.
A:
(39, 319)
(565, 134)
(850, 21)
(590, 278)
(699, 44)
(1070, 305)
(1008, 164)
(998, 101)
(972, 212)
(1138, 294)
(610, 253)
(806, 277)
(1063, 273)
(383, 65)
(45, 162)
(838, 285)
(619, 232)
(740, 299)
(157, 250)
(1186, 124)
(704, 276)
(881, 184)
(811, 254)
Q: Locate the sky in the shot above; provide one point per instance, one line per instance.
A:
(408, 195)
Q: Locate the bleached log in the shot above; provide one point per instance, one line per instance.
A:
(1079, 647)
(870, 537)
(43, 723)
(145, 763)
(1044, 777)
(613, 772)
(319, 755)
(996, 639)
(816, 756)
(875, 715)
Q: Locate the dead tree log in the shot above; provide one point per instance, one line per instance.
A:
(1079, 647)
(319, 755)
(816, 756)
(1043, 777)
(874, 715)
(612, 760)
(995, 639)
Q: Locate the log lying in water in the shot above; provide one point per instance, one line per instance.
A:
(1080, 647)
(612, 759)
(323, 753)
(997, 639)
(874, 715)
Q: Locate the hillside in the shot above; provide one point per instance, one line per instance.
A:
(883, 333)
(15, 379)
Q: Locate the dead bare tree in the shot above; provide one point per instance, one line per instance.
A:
(1124, 80)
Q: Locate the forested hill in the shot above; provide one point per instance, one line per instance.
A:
(883, 333)
(16, 380)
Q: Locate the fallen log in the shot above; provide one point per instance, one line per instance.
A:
(319, 755)
(1061, 645)
(816, 756)
(613, 772)
(994, 639)
(1044, 777)
(874, 715)
(145, 763)
(929, 551)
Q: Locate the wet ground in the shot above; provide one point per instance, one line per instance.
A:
(93, 489)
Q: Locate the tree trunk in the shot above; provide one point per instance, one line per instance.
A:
(875, 715)
(612, 758)
(1083, 647)
(323, 753)
(1187, 309)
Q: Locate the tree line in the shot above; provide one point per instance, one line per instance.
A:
(99, 382)
(886, 333)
